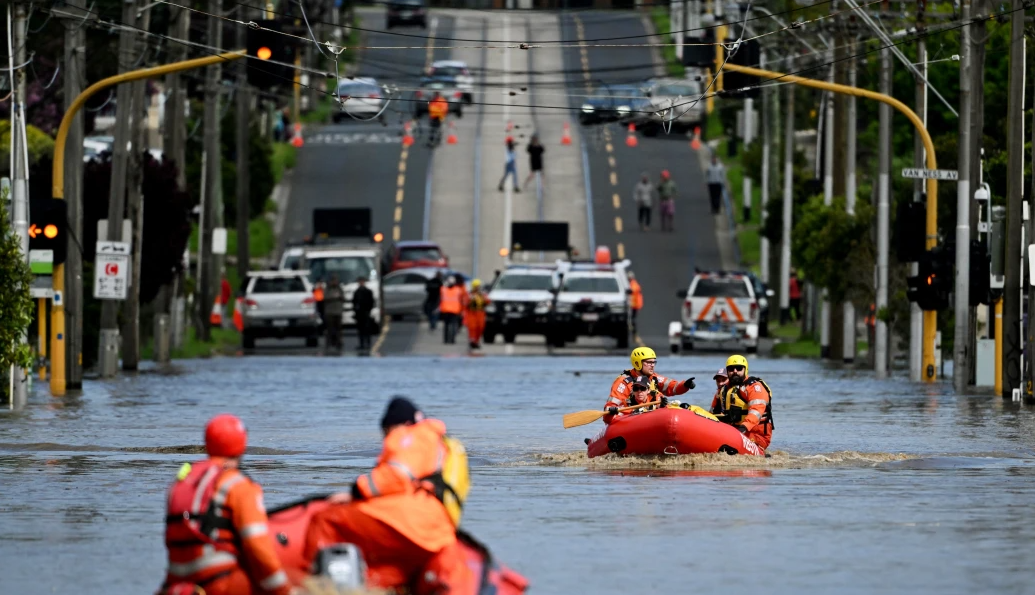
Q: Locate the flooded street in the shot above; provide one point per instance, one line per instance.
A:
(873, 486)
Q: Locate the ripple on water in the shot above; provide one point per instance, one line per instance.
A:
(776, 460)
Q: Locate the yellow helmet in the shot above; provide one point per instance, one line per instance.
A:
(476, 284)
(639, 354)
(738, 360)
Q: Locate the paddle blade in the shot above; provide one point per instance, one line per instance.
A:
(581, 418)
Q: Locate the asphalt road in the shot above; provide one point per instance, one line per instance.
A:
(663, 261)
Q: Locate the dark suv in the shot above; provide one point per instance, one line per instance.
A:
(406, 12)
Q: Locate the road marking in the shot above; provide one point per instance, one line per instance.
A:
(609, 147)
(399, 195)
(395, 233)
(611, 160)
(381, 338)
(614, 179)
(351, 138)
(398, 214)
(402, 166)
(621, 251)
(618, 224)
(401, 181)
(614, 198)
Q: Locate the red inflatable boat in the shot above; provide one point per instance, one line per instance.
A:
(288, 525)
(669, 431)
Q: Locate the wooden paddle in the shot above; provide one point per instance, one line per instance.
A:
(581, 418)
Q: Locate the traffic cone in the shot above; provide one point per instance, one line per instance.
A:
(297, 140)
(407, 135)
(451, 139)
(215, 318)
(630, 141)
(238, 316)
(695, 143)
(566, 135)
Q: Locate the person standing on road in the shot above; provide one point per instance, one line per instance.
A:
(794, 295)
(716, 178)
(433, 291)
(635, 299)
(510, 166)
(451, 306)
(474, 314)
(667, 196)
(535, 159)
(643, 198)
(333, 309)
(362, 306)
(438, 109)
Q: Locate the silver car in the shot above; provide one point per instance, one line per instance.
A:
(279, 304)
(362, 99)
(405, 289)
(677, 101)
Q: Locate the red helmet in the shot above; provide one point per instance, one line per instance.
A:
(664, 174)
(225, 436)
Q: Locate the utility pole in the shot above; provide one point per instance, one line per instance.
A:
(978, 37)
(109, 340)
(766, 143)
(848, 309)
(749, 137)
(788, 199)
(19, 163)
(883, 217)
(916, 315)
(74, 73)
(1014, 195)
(243, 147)
(175, 137)
(212, 167)
(839, 125)
(961, 336)
(135, 206)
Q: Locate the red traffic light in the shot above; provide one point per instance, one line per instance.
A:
(930, 279)
(50, 231)
(264, 53)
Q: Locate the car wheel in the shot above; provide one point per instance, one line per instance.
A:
(508, 337)
(687, 346)
(623, 341)
(397, 317)
(312, 341)
(489, 337)
(675, 350)
(650, 130)
(753, 349)
(247, 341)
(460, 113)
(555, 341)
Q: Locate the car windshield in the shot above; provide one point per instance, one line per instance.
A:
(591, 285)
(408, 3)
(449, 71)
(278, 285)
(525, 282)
(347, 268)
(291, 262)
(423, 253)
(735, 288)
(676, 89)
(359, 90)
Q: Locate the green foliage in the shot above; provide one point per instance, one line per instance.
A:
(16, 305)
(832, 247)
(41, 146)
(660, 17)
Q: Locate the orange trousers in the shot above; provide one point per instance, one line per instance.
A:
(235, 583)
(393, 561)
(474, 320)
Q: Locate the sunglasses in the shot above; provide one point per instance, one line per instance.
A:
(650, 361)
(735, 368)
(639, 389)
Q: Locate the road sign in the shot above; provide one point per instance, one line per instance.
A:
(42, 287)
(928, 174)
(111, 271)
(41, 262)
(219, 240)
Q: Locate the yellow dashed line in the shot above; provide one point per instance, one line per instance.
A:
(401, 181)
(402, 166)
(614, 179)
(609, 147)
(399, 195)
(618, 224)
(395, 233)
(614, 198)
(621, 250)
(398, 214)
(611, 160)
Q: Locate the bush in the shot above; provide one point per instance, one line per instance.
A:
(16, 305)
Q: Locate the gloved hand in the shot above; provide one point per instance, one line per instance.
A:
(689, 383)
(612, 410)
(741, 429)
(664, 401)
(684, 405)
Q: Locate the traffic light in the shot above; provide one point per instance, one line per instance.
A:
(48, 226)
(748, 54)
(910, 223)
(931, 288)
(268, 45)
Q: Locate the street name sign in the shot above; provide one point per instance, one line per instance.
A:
(111, 271)
(41, 262)
(928, 174)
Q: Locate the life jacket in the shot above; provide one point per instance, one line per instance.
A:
(652, 389)
(735, 408)
(318, 293)
(636, 302)
(438, 108)
(476, 302)
(452, 482)
(451, 300)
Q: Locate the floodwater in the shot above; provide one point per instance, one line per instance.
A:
(873, 487)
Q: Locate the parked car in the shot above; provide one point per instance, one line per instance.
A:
(447, 86)
(593, 301)
(674, 100)
(279, 304)
(612, 103)
(405, 289)
(521, 302)
(95, 146)
(719, 310)
(455, 69)
(406, 12)
(415, 253)
(764, 297)
(362, 98)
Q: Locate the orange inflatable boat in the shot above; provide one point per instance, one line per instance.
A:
(673, 431)
(288, 525)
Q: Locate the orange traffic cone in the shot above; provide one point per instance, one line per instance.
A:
(238, 316)
(451, 139)
(215, 318)
(695, 143)
(630, 140)
(407, 135)
(297, 140)
(566, 135)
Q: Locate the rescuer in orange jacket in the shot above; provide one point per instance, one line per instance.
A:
(438, 108)
(643, 360)
(636, 299)
(216, 527)
(746, 403)
(450, 307)
(393, 516)
(474, 314)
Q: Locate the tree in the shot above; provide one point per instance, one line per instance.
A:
(15, 302)
(834, 249)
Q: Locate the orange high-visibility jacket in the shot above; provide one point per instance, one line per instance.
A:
(451, 300)
(636, 300)
(621, 388)
(438, 109)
